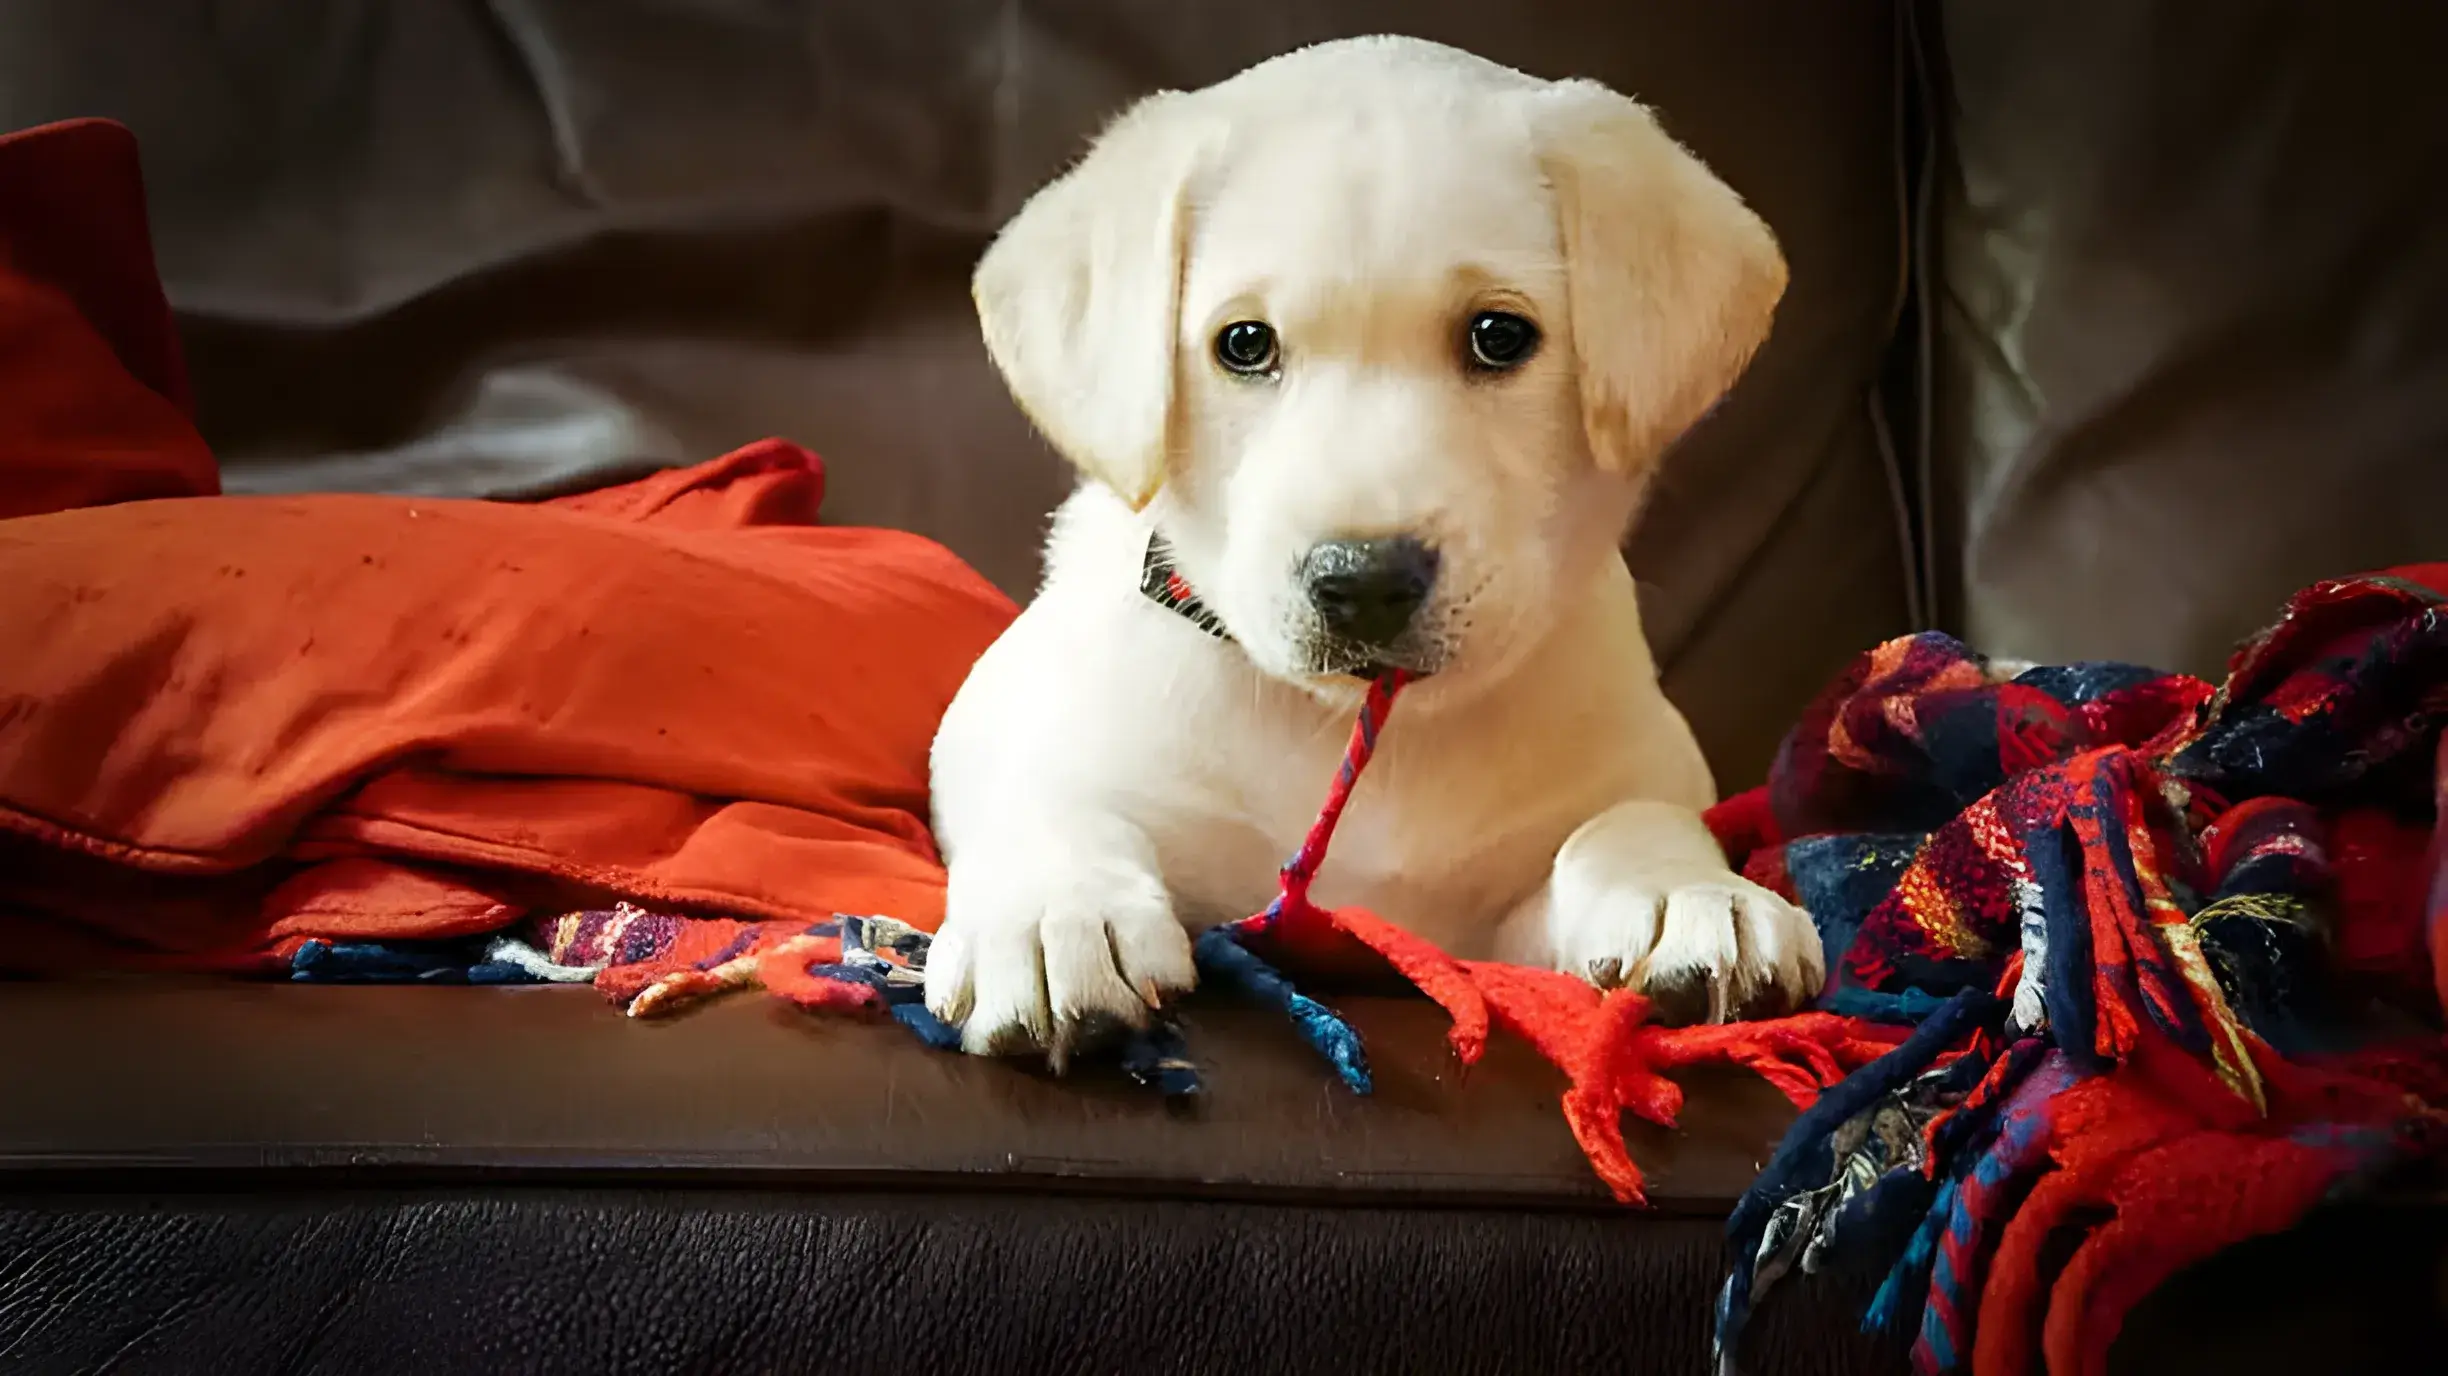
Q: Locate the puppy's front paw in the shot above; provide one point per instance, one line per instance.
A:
(1051, 957)
(1702, 943)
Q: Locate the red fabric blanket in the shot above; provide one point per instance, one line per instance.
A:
(228, 725)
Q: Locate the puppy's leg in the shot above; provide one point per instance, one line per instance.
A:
(1055, 932)
(1640, 896)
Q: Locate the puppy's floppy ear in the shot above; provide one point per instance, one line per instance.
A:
(1080, 296)
(1673, 281)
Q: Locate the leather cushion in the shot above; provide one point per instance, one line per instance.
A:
(536, 1081)
(2193, 299)
(359, 1282)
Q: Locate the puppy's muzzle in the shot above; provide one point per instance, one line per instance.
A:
(1367, 592)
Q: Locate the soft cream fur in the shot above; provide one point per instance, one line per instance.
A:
(1111, 778)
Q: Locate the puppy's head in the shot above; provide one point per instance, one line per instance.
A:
(1384, 338)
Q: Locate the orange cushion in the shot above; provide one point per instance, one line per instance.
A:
(413, 717)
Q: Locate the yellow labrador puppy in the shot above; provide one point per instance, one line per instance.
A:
(1365, 355)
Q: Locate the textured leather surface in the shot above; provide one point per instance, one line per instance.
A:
(607, 1283)
(366, 1281)
(512, 246)
(445, 1083)
(2193, 303)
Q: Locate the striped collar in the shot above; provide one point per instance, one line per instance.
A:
(1165, 586)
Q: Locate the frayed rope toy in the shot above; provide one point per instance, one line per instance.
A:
(1613, 1057)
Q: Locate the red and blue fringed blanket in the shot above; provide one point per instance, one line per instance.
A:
(2126, 967)
(2163, 947)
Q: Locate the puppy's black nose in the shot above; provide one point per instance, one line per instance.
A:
(1367, 591)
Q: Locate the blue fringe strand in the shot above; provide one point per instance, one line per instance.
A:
(1225, 963)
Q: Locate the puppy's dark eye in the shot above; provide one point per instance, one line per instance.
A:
(1246, 346)
(1500, 340)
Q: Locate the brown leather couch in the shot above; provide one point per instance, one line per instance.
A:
(2112, 321)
